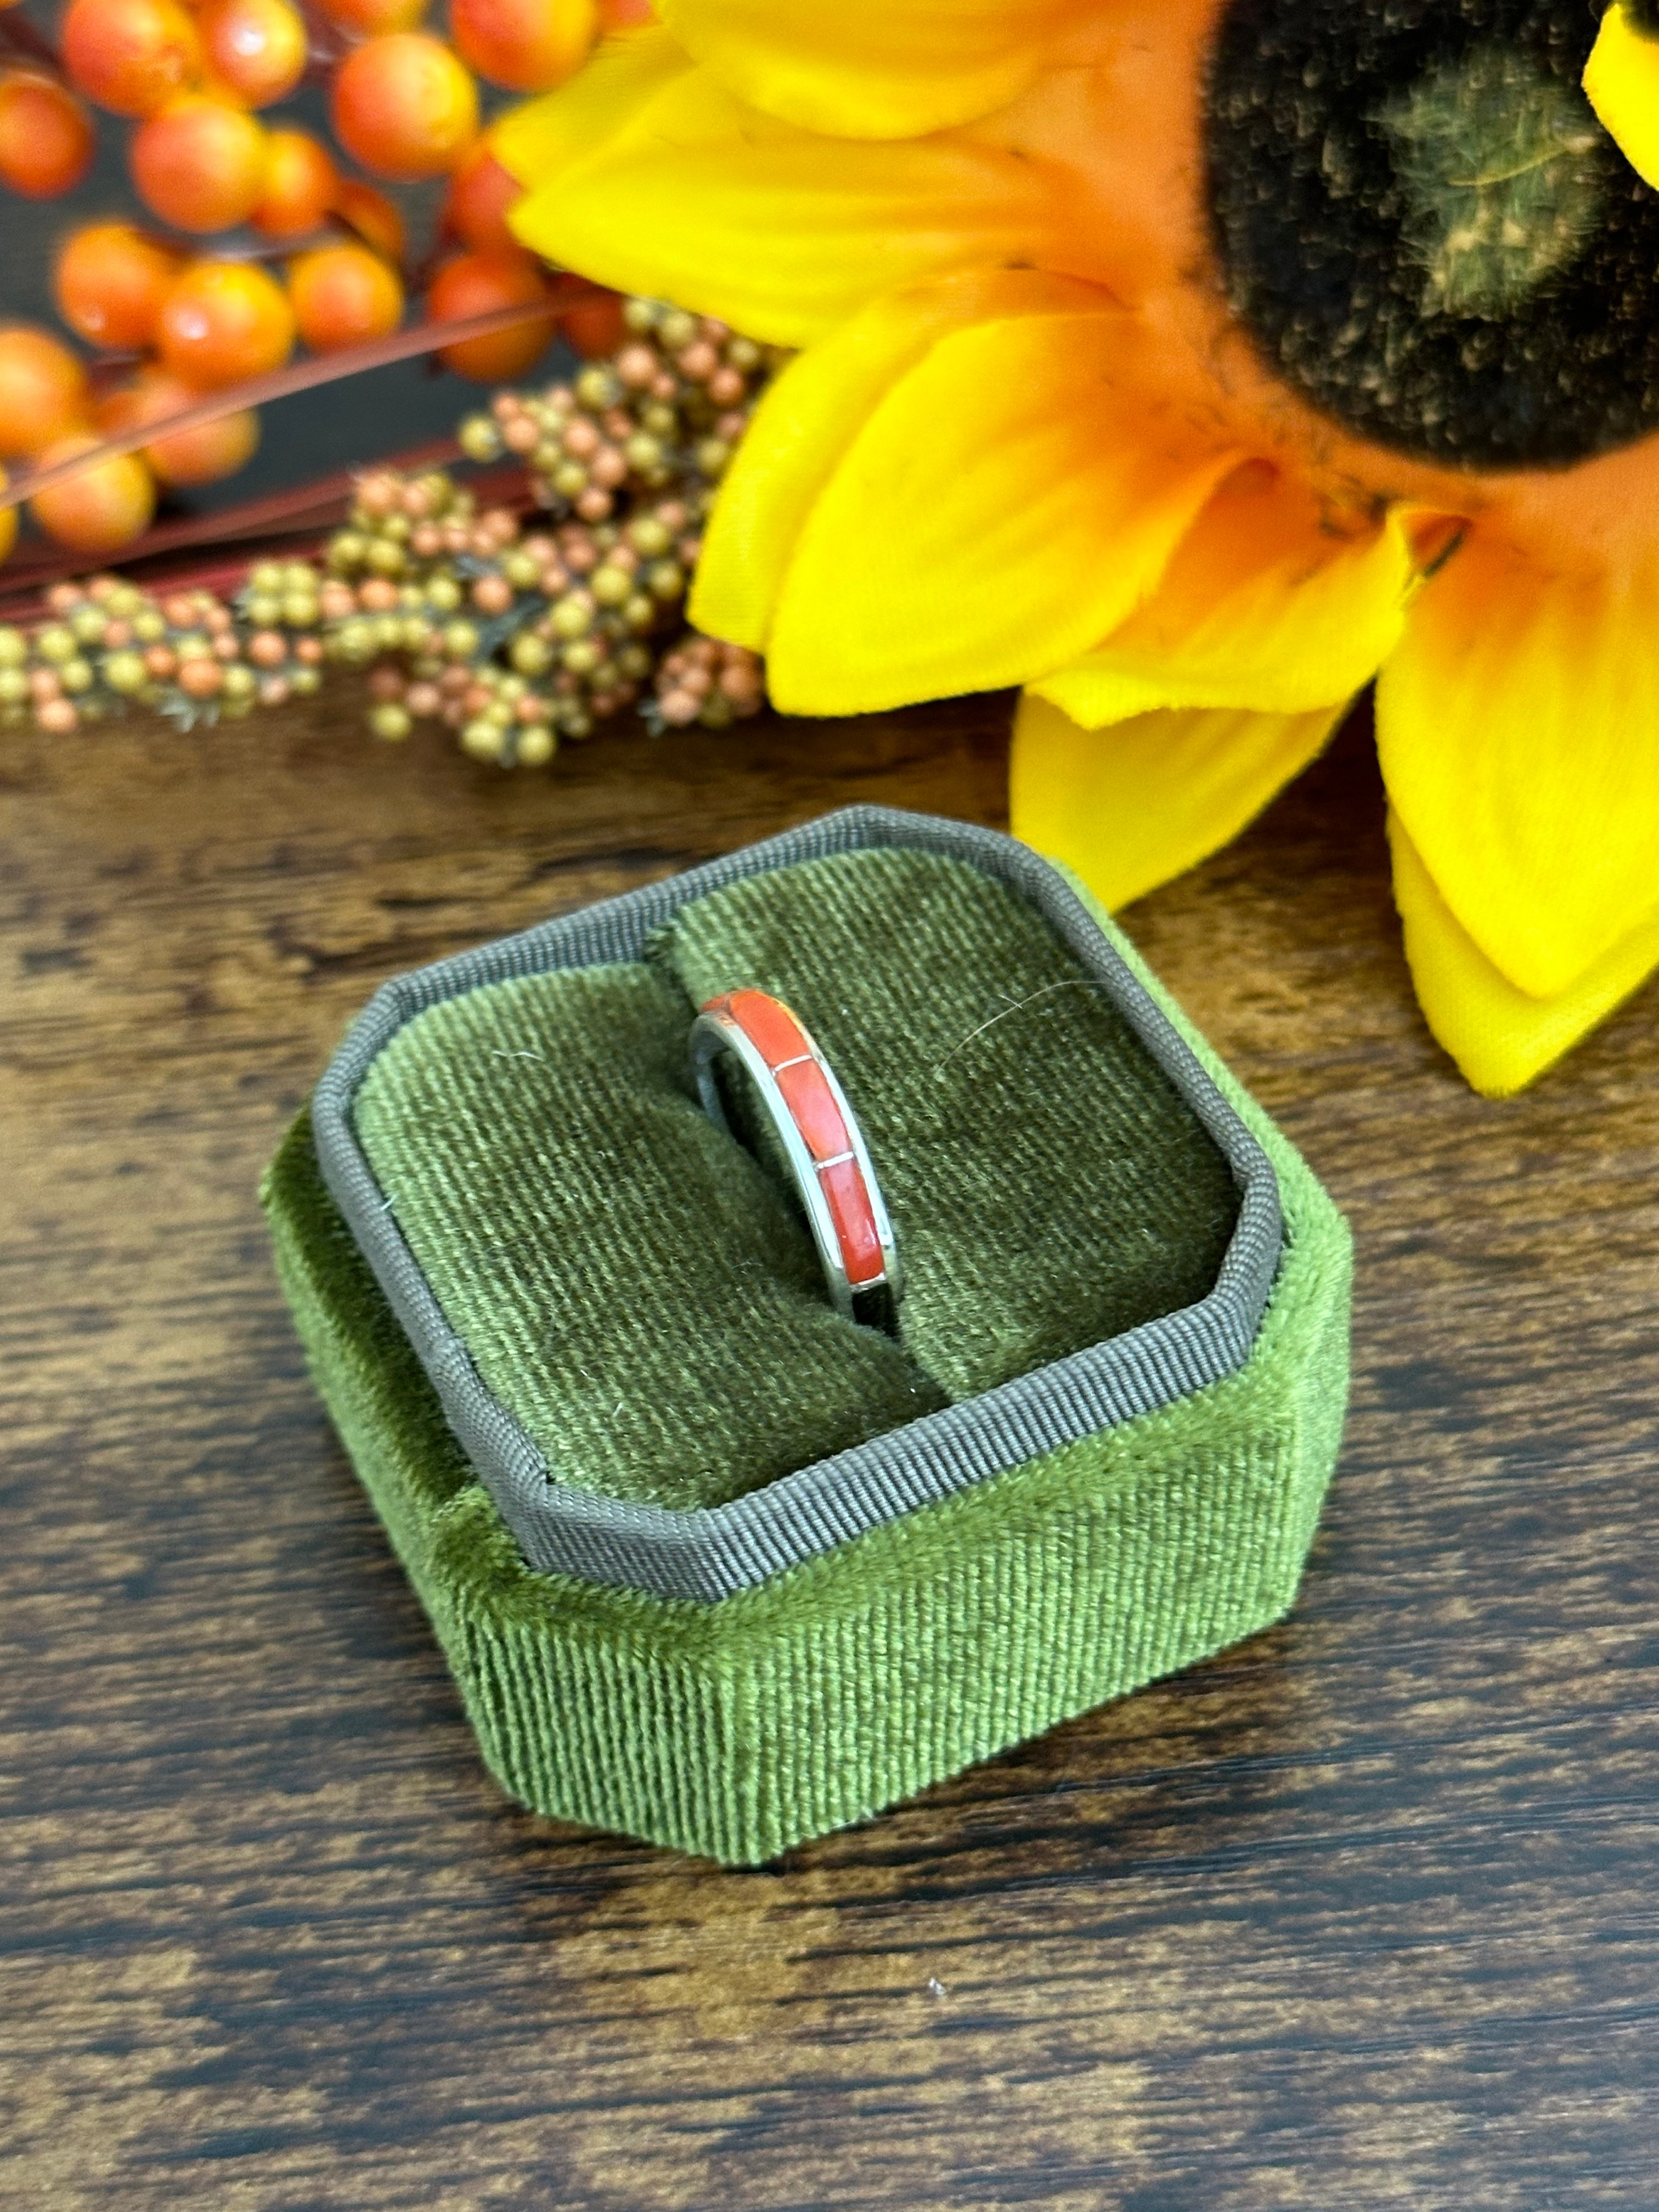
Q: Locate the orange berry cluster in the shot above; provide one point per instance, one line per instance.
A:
(318, 258)
(514, 637)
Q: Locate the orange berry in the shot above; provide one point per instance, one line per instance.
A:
(7, 524)
(301, 186)
(373, 18)
(223, 321)
(475, 209)
(186, 457)
(344, 296)
(109, 283)
(473, 283)
(404, 106)
(257, 47)
(124, 405)
(44, 392)
(45, 137)
(130, 55)
(200, 164)
(208, 452)
(623, 15)
(595, 327)
(528, 45)
(104, 506)
(373, 217)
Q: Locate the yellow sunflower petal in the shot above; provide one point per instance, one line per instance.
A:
(1499, 1036)
(1130, 807)
(1010, 498)
(613, 93)
(1266, 605)
(811, 415)
(688, 194)
(1518, 727)
(1622, 84)
(871, 69)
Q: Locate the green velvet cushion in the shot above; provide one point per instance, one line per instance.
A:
(644, 1297)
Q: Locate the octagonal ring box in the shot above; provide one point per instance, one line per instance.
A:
(711, 1564)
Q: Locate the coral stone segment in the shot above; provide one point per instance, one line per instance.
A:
(812, 1106)
(843, 1188)
(769, 1025)
(1427, 232)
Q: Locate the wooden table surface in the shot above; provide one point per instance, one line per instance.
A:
(1362, 1914)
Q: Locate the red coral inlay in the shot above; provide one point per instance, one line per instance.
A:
(811, 1101)
(855, 1223)
(769, 1025)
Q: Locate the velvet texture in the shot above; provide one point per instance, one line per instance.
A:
(644, 1296)
(735, 1729)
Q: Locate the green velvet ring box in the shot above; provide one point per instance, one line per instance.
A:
(711, 1564)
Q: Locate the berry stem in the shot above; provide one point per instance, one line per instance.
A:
(24, 40)
(293, 520)
(281, 384)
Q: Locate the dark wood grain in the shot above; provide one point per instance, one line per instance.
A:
(1361, 1915)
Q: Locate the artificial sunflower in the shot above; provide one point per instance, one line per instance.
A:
(1191, 364)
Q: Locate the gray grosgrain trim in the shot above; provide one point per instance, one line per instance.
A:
(710, 1553)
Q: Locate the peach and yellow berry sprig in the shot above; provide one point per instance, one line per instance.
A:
(515, 630)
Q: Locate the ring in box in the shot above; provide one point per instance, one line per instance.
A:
(713, 1564)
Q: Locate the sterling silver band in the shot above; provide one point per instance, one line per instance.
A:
(857, 1251)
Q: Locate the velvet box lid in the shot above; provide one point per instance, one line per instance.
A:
(711, 1564)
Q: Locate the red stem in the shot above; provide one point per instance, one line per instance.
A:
(288, 524)
(281, 383)
(21, 35)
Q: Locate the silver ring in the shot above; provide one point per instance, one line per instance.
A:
(819, 1132)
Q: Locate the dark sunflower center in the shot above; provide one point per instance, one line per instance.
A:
(1426, 232)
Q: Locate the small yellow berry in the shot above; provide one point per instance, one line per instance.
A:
(125, 673)
(650, 536)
